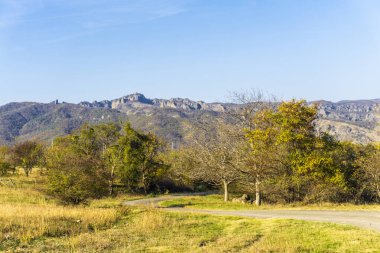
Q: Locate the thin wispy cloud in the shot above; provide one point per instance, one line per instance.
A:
(13, 12)
(82, 17)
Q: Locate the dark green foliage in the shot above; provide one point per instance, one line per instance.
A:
(368, 173)
(87, 164)
(6, 161)
(141, 164)
(5, 168)
(76, 169)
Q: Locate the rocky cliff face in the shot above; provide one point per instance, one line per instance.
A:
(357, 121)
(138, 100)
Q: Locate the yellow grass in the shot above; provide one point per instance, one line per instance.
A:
(31, 222)
(23, 223)
(27, 215)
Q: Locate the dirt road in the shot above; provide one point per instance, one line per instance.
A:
(363, 219)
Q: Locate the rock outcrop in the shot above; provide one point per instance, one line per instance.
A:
(357, 121)
(139, 100)
(171, 119)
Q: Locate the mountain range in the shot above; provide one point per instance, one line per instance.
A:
(171, 119)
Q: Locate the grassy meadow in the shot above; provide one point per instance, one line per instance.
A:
(32, 222)
(26, 215)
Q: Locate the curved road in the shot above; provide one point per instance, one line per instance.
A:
(363, 219)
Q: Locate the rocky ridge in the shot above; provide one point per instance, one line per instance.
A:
(139, 100)
(356, 121)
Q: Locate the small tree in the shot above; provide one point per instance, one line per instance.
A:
(28, 155)
(75, 168)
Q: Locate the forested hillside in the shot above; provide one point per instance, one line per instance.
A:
(356, 121)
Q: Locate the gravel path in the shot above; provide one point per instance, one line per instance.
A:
(363, 219)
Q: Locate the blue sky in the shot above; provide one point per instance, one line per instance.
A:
(78, 50)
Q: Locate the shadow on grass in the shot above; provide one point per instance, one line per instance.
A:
(182, 205)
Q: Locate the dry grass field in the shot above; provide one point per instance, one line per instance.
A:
(31, 222)
(26, 215)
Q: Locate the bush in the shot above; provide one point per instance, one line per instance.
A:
(5, 168)
(76, 173)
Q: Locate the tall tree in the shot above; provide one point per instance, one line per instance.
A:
(141, 159)
(215, 157)
(263, 156)
(284, 144)
(297, 136)
(253, 114)
(108, 135)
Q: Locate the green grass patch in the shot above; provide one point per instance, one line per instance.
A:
(216, 202)
(152, 230)
(114, 202)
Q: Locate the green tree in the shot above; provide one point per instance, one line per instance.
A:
(113, 159)
(370, 168)
(111, 153)
(75, 167)
(6, 161)
(287, 154)
(28, 155)
(141, 164)
(322, 172)
(297, 136)
(262, 160)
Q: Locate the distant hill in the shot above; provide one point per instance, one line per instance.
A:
(171, 119)
(21, 121)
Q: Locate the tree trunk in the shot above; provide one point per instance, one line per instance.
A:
(27, 172)
(258, 194)
(144, 184)
(225, 186)
(110, 189)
